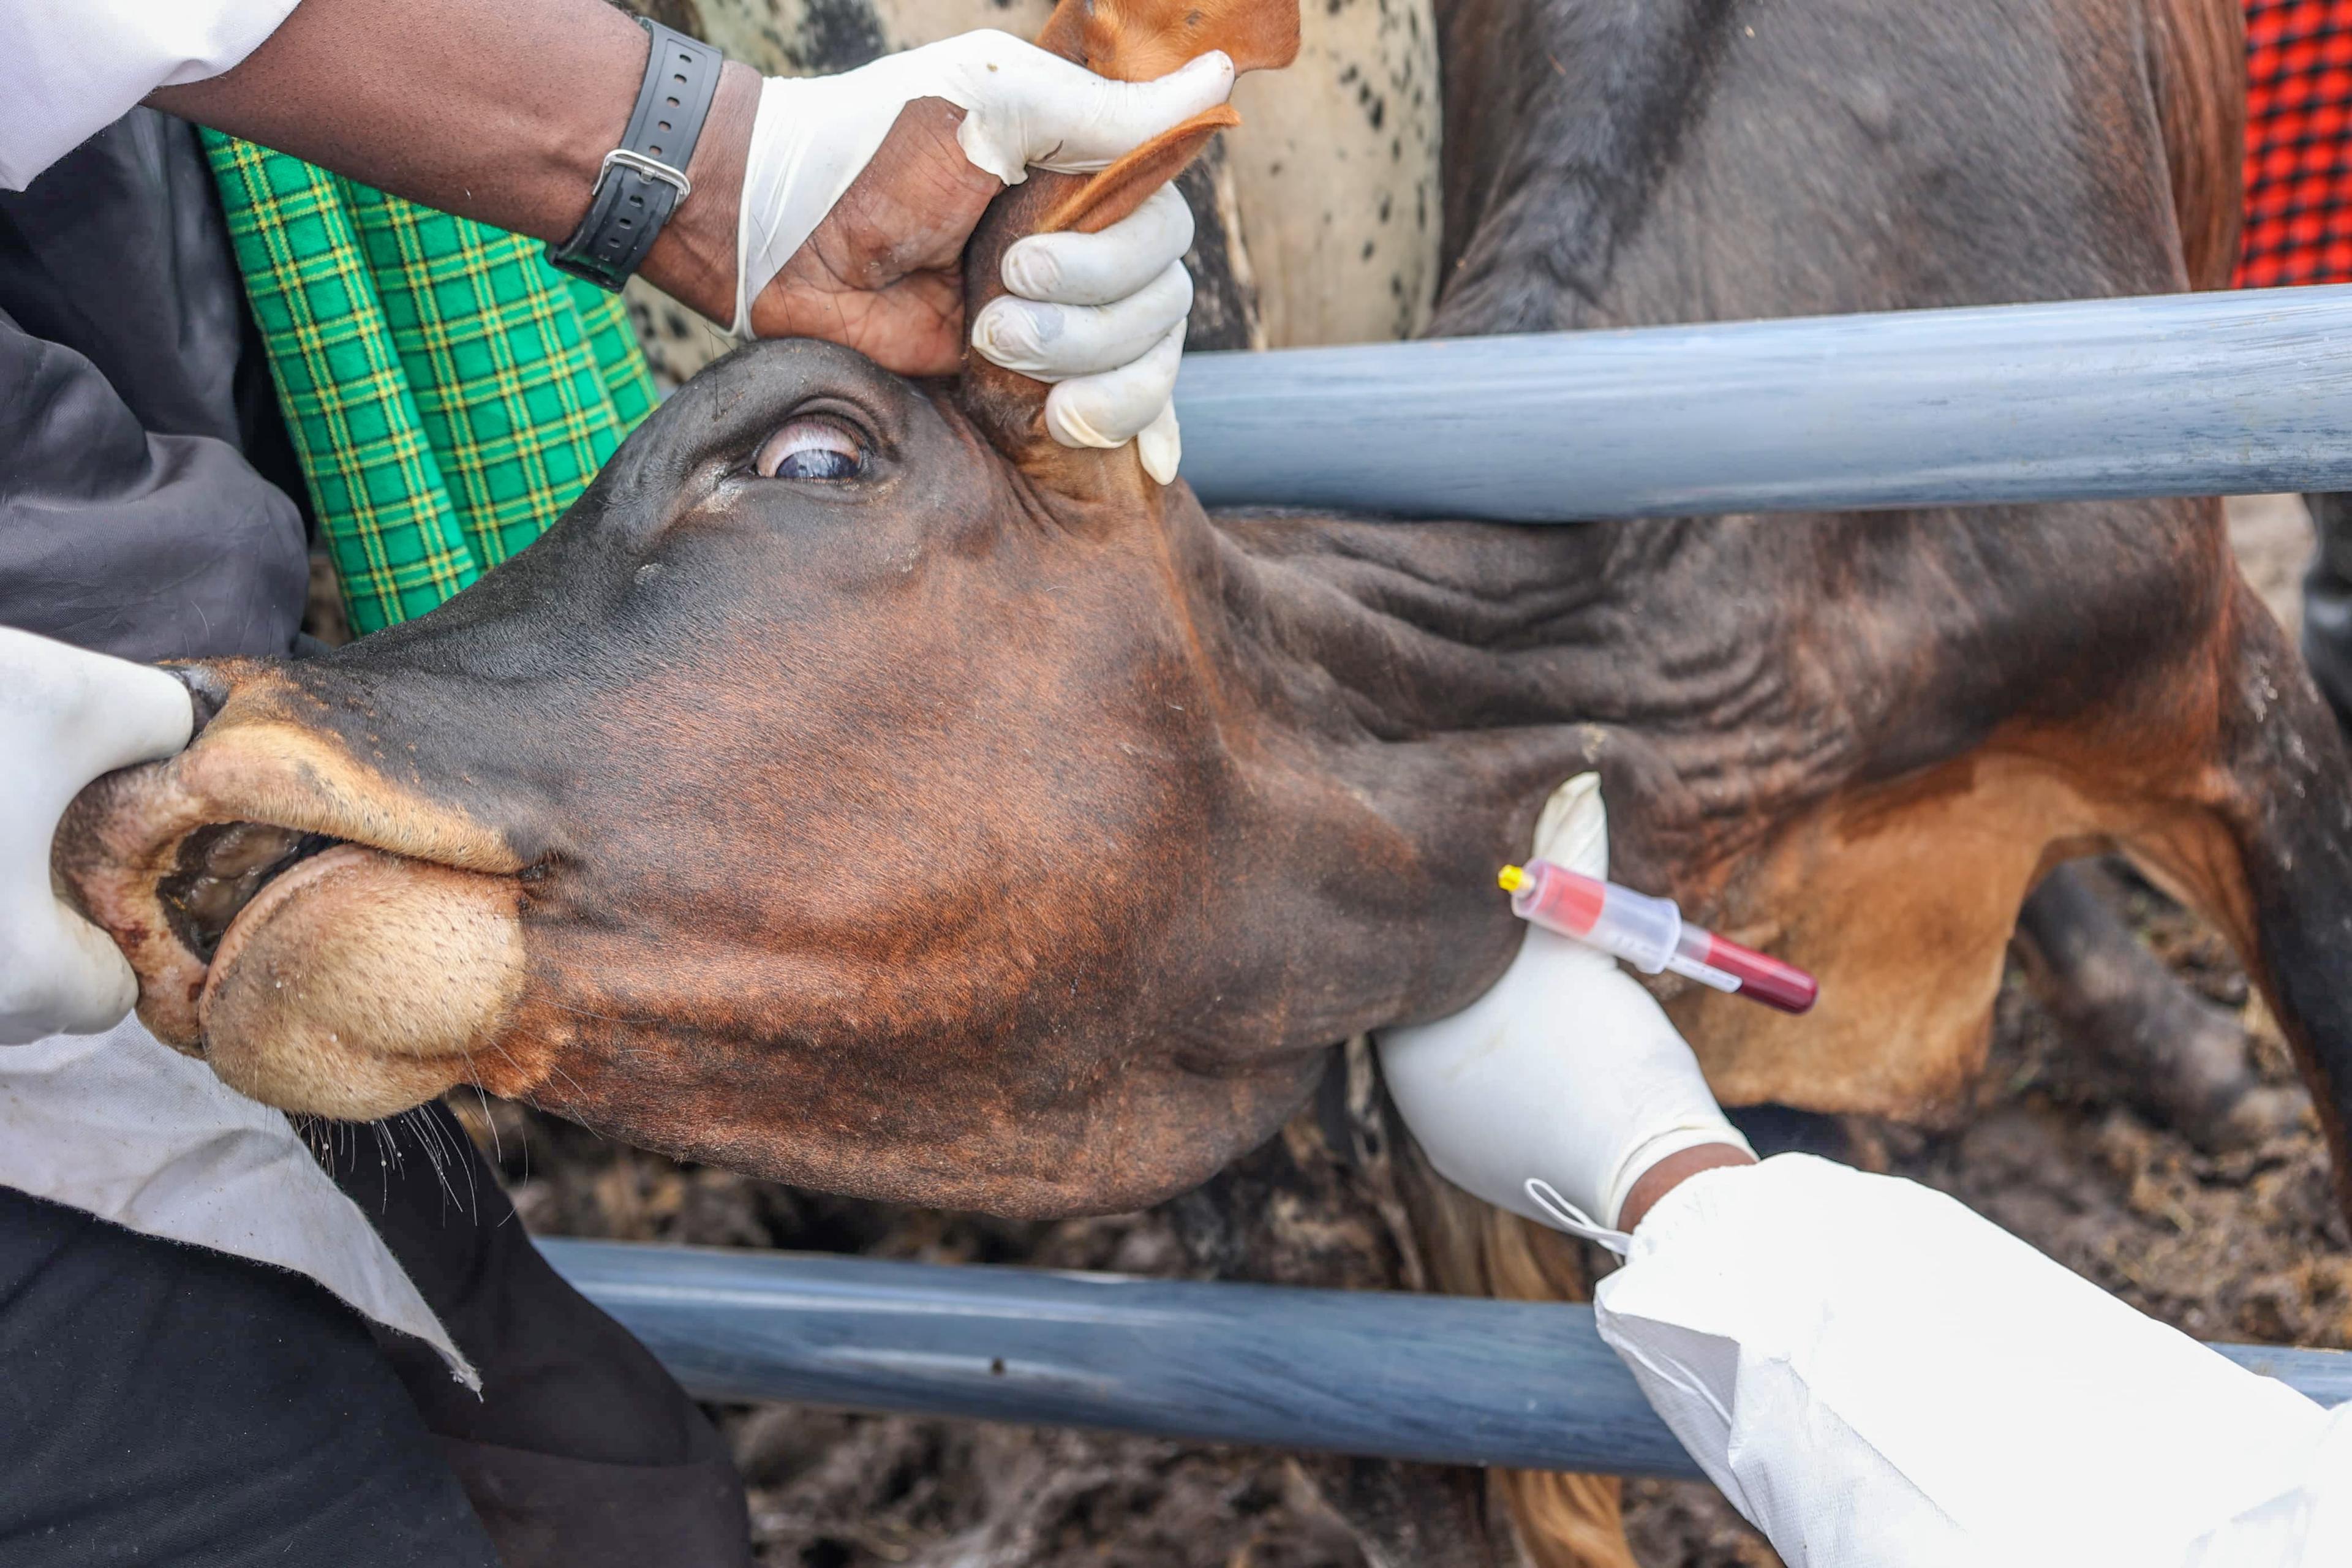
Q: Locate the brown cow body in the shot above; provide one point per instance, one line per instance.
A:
(994, 828)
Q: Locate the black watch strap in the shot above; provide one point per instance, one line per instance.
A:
(644, 179)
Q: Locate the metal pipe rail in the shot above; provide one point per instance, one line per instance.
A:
(2178, 394)
(1446, 1379)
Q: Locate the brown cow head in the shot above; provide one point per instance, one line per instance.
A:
(853, 788)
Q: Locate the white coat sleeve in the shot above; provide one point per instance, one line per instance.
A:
(68, 68)
(1876, 1376)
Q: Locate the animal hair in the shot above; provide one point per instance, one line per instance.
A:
(2196, 51)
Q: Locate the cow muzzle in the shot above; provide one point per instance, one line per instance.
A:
(330, 939)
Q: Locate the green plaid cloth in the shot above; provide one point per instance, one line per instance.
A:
(448, 393)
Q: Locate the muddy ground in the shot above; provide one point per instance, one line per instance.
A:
(2244, 1246)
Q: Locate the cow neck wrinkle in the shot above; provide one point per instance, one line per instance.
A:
(1409, 629)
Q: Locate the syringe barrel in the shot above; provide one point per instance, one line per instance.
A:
(1652, 935)
(1637, 928)
(1760, 976)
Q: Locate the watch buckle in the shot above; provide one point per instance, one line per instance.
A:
(651, 168)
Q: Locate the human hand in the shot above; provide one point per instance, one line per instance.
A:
(65, 716)
(861, 189)
(1560, 1090)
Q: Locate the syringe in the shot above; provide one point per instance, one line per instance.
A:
(1651, 934)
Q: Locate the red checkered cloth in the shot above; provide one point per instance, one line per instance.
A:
(2298, 226)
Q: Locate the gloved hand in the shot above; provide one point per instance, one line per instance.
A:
(1107, 327)
(1559, 1089)
(65, 716)
(854, 219)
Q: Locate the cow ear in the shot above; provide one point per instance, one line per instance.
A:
(1136, 41)
(1112, 194)
(1129, 40)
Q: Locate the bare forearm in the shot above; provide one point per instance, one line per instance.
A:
(1671, 1172)
(495, 109)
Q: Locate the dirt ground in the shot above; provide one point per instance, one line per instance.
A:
(2245, 1245)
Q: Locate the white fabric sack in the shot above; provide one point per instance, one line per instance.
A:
(68, 68)
(123, 1127)
(1879, 1378)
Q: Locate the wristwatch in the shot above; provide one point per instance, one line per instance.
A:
(642, 181)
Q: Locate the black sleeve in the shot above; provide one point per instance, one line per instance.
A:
(132, 398)
(131, 543)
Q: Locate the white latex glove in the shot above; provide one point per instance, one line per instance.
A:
(1558, 1089)
(1086, 297)
(1101, 316)
(65, 716)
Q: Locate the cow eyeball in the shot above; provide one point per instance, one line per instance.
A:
(809, 449)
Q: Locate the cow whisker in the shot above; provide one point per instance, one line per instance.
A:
(435, 1139)
(498, 1143)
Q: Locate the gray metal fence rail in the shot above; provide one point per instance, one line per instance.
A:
(2181, 395)
(1439, 1378)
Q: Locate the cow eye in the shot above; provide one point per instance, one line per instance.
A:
(809, 449)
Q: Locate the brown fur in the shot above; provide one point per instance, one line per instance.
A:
(1906, 889)
(2197, 55)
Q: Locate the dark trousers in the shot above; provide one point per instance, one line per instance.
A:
(168, 1405)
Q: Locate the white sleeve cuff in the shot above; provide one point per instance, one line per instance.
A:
(71, 68)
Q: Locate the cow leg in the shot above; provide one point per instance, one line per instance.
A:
(1464, 1246)
(2327, 603)
(2182, 1060)
(1293, 1211)
(2268, 856)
